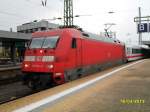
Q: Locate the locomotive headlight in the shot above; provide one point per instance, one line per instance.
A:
(48, 58)
(50, 66)
(41, 51)
(26, 65)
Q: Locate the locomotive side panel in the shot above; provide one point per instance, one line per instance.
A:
(97, 52)
(93, 52)
(118, 53)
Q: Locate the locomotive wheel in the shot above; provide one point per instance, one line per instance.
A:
(34, 83)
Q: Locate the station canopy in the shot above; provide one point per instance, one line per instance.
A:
(14, 35)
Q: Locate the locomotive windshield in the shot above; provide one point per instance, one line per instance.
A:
(45, 42)
(36, 42)
(50, 42)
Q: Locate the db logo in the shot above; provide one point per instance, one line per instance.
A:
(39, 58)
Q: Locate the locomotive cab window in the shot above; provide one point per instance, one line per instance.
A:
(36, 43)
(44, 42)
(74, 43)
(50, 42)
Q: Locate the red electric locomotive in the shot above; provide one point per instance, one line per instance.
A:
(61, 55)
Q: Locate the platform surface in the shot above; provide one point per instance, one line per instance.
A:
(126, 90)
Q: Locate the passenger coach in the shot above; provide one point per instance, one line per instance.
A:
(134, 52)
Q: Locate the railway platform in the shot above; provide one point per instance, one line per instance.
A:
(119, 89)
(9, 72)
(10, 66)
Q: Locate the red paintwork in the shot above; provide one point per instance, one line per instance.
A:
(88, 52)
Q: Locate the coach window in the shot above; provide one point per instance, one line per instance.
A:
(128, 51)
(74, 43)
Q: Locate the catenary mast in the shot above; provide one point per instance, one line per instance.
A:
(68, 13)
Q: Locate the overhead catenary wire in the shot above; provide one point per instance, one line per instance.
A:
(18, 15)
(21, 18)
(33, 3)
(12, 14)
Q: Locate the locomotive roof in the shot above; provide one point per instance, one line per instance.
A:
(134, 46)
(58, 31)
(76, 33)
(100, 38)
(97, 37)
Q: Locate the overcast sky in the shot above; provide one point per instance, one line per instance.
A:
(17, 12)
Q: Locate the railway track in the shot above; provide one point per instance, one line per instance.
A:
(11, 87)
(15, 91)
(10, 80)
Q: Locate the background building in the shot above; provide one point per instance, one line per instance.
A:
(36, 26)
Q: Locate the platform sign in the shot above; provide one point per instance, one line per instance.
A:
(149, 27)
(143, 28)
